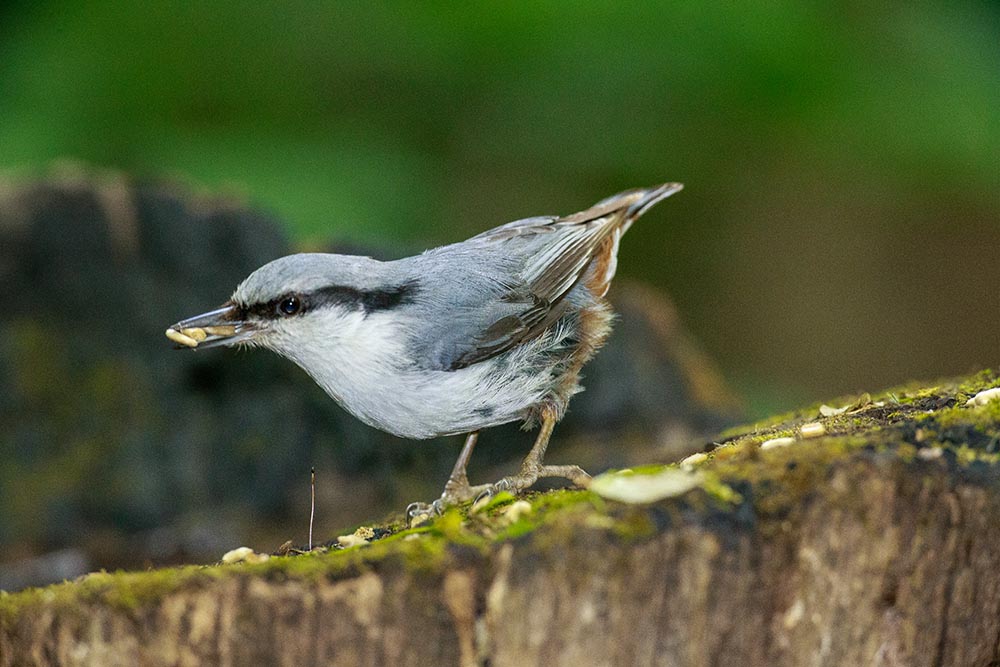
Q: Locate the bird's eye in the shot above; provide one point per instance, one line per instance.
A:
(289, 306)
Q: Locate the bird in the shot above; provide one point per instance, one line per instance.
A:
(463, 337)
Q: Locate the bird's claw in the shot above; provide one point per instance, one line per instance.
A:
(482, 498)
(417, 513)
(492, 490)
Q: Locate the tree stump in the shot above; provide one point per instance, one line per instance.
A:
(871, 539)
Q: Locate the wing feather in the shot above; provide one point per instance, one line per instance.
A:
(556, 255)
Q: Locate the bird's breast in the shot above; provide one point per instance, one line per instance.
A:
(371, 373)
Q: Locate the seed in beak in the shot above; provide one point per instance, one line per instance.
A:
(195, 332)
(225, 330)
(181, 338)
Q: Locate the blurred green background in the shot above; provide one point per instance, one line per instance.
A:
(840, 228)
(840, 224)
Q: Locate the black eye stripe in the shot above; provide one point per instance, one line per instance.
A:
(272, 310)
(340, 295)
(367, 300)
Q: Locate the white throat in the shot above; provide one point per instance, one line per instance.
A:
(348, 353)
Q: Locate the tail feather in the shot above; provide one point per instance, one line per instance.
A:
(605, 259)
(648, 199)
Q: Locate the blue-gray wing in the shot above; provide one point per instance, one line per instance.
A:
(509, 284)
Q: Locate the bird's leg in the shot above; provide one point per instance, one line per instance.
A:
(532, 469)
(456, 489)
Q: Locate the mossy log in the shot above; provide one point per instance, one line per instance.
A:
(873, 542)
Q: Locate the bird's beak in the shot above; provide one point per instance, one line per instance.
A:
(222, 326)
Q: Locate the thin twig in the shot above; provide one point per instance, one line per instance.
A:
(312, 504)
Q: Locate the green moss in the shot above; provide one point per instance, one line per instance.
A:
(780, 478)
(896, 403)
(518, 529)
(761, 426)
(648, 469)
(126, 591)
(906, 422)
(132, 590)
(634, 525)
(966, 455)
(984, 379)
(499, 500)
(980, 416)
(911, 424)
(719, 490)
(420, 549)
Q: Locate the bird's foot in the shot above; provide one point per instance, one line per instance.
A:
(456, 492)
(419, 512)
(529, 475)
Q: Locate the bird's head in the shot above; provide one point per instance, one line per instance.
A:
(295, 303)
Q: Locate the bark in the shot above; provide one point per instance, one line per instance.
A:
(877, 544)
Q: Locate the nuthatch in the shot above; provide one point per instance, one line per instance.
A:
(463, 337)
